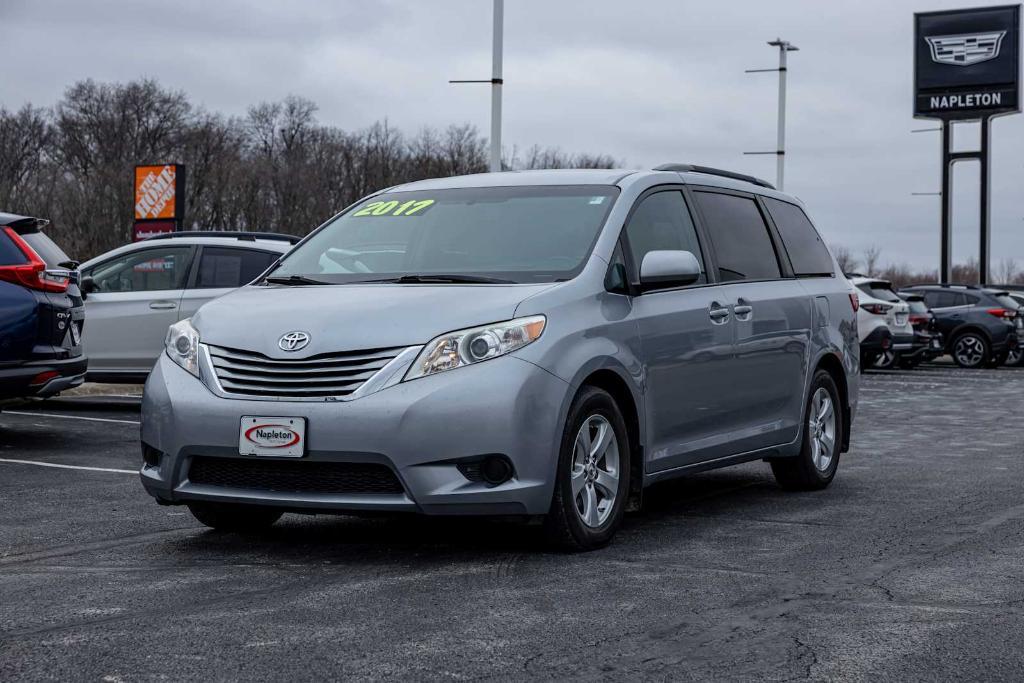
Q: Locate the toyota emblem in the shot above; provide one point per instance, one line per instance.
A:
(293, 341)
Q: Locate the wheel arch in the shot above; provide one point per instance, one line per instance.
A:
(611, 381)
(831, 364)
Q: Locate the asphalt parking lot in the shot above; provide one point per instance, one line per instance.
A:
(909, 567)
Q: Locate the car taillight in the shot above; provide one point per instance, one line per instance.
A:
(877, 309)
(32, 274)
(1003, 313)
(918, 319)
(854, 301)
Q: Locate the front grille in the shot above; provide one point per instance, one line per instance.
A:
(327, 374)
(294, 476)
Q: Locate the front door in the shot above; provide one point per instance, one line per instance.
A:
(134, 299)
(686, 341)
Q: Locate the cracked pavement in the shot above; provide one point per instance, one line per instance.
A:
(908, 568)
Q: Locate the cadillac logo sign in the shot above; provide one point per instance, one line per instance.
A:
(967, 63)
(967, 49)
(293, 341)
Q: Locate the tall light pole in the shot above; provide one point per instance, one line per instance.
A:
(780, 148)
(496, 82)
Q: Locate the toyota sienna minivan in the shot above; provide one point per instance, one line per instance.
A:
(541, 344)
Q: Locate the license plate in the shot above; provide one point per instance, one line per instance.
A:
(901, 320)
(272, 436)
(936, 344)
(76, 336)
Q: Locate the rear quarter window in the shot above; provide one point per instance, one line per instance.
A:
(10, 254)
(47, 249)
(806, 250)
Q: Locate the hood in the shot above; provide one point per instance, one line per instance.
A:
(352, 317)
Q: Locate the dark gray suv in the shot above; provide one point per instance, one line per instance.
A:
(542, 343)
(980, 325)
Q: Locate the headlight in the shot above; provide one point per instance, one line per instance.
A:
(465, 347)
(183, 346)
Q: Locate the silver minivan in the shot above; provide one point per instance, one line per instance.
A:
(542, 344)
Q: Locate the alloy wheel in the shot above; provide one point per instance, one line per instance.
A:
(1013, 357)
(886, 360)
(595, 471)
(821, 425)
(969, 350)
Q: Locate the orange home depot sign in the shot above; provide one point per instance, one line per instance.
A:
(156, 192)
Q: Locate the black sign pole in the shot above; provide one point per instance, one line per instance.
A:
(985, 241)
(946, 248)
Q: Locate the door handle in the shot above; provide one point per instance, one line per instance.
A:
(743, 311)
(718, 313)
(162, 305)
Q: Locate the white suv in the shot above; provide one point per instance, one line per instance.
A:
(135, 292)
(883, 322)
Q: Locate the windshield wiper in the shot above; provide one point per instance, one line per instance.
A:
(430, 278)
(294, 280)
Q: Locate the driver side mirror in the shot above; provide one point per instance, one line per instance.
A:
(665, 269)
(88, 285)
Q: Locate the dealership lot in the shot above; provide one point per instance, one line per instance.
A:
(910, 565)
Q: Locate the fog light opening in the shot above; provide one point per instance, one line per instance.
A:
(496, 469)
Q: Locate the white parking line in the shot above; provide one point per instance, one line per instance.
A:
(69, 417)
(67, 467)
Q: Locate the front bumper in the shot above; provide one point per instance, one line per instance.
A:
(418, 429)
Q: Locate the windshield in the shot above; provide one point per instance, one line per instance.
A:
(917, 304)
(1006, 301)
(879, 290)
(514, 234)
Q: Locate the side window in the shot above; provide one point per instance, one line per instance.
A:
(806, 250)
(662, 221)
(968, 300)
(231, 267)
(147, 270)
(742, 244)
(936, 299)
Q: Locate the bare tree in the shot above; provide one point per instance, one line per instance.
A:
(872, 258)
(1007, 271)
(844, 257)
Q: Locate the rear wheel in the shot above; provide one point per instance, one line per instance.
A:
(592, 479)
(816, 465)
(886, 359)
(970, 350)
(1015, 357)
(234, 517)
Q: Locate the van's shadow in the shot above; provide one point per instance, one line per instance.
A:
(300, 539)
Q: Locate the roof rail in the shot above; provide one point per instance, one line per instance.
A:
(942, 284)
(242, 235)
(692, 168)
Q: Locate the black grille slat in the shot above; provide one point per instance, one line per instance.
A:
(294, 476)
(249, 373)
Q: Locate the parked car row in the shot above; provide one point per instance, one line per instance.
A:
(130, 297)
(976, 326)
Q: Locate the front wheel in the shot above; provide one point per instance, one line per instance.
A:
(970, 350)
(592, 478)
(234, 517)
(1015, 357)
(816, 465)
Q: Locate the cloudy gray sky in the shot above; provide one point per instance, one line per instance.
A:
(647, 81)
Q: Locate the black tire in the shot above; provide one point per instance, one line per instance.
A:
(867, 359)
(886, 360)
(979, 354)
(1015, 359)
(998, 360)
(564, 526)
(800, 473)
(234, 517)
